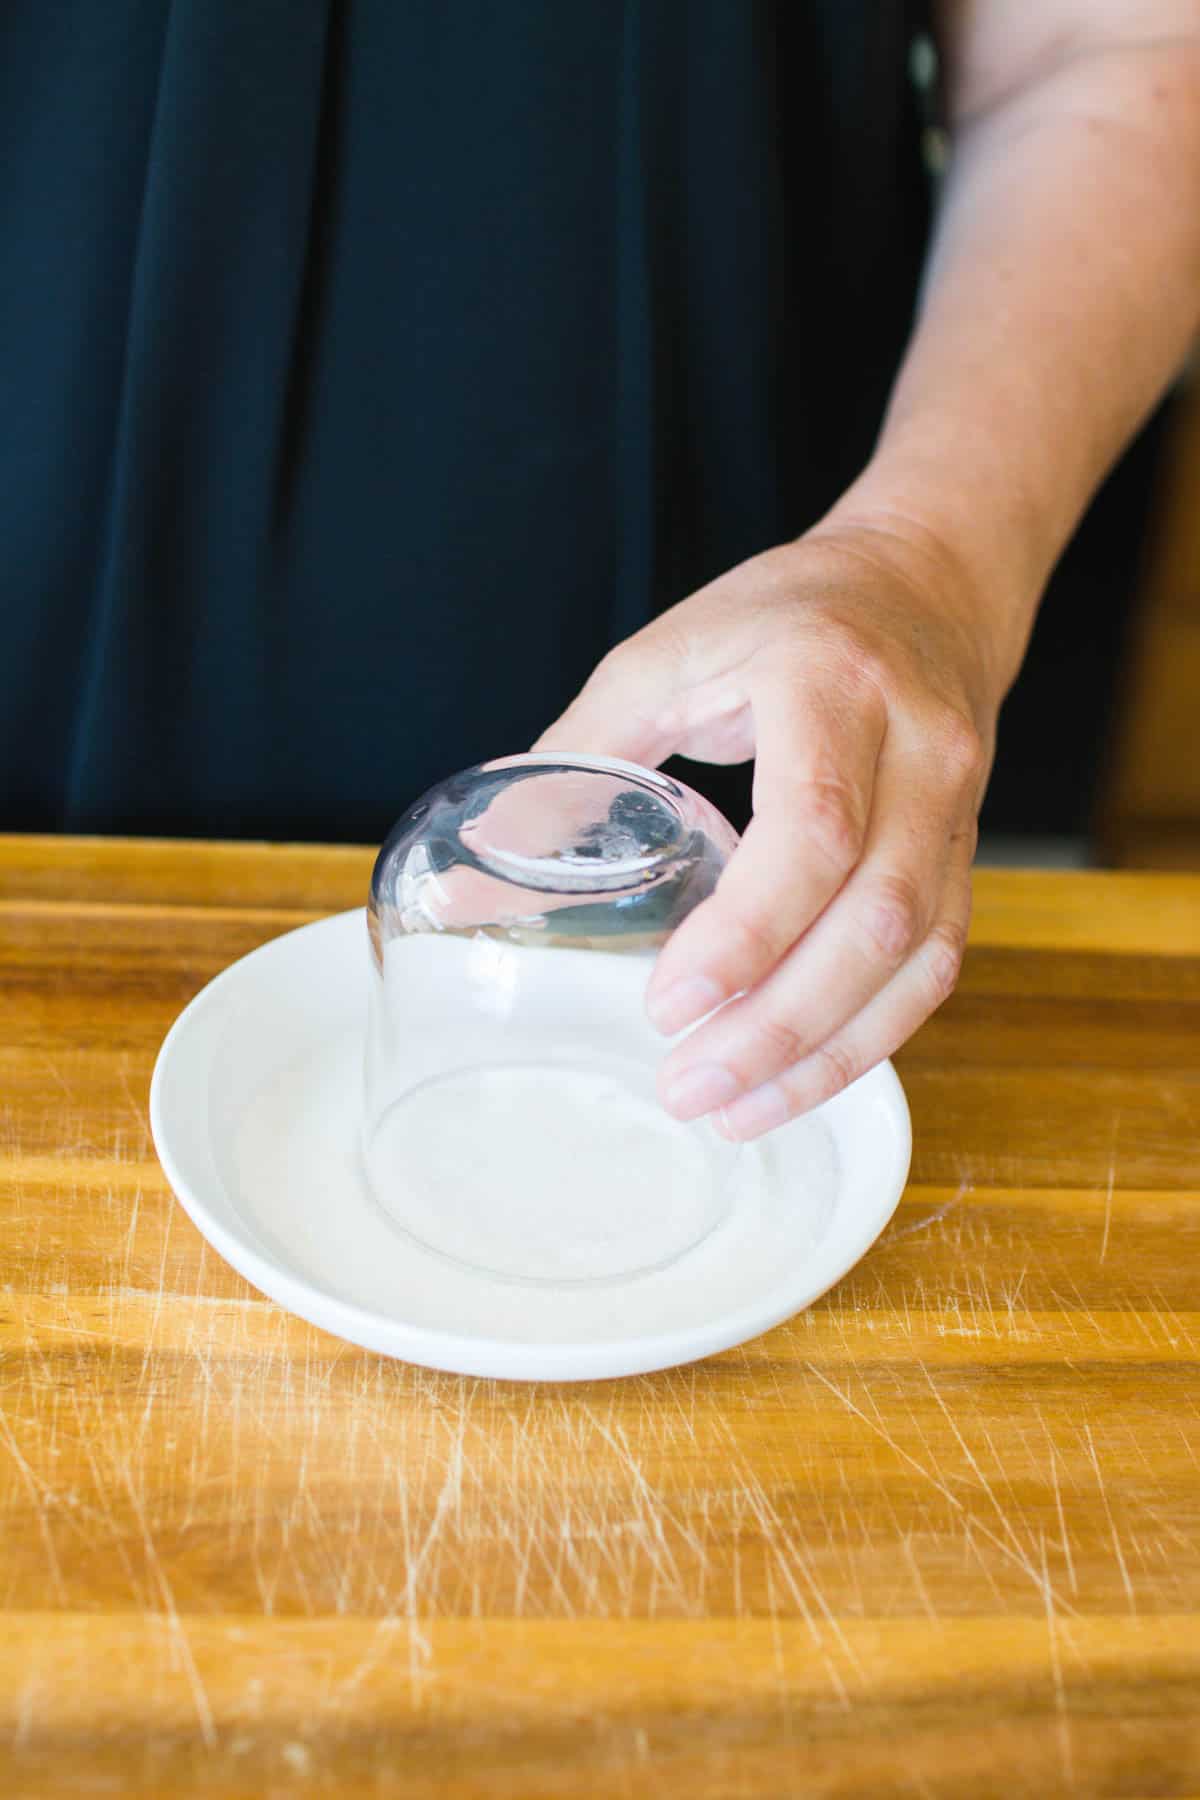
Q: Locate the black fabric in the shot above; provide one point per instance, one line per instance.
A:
(1055, 749)
(368, 368)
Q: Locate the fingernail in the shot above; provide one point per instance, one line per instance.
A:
(756, 1112)
(682, 1003)
(700, 1090)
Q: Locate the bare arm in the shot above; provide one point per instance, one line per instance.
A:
(864, 665)
(1062, 290)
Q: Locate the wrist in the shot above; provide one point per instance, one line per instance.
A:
(957, 554)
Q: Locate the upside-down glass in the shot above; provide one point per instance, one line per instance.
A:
(511, 1121)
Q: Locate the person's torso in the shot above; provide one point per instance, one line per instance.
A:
(368, 369)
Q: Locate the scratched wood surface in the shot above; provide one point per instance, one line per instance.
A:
(940, 1534)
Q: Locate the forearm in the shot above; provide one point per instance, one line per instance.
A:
(1061, 294)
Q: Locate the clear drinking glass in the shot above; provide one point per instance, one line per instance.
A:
(510, 1120)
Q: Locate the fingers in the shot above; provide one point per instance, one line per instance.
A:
(818, 745)
(886, 1022)
(838, 925)
(675, 686)
(880, 917)
(624, 707)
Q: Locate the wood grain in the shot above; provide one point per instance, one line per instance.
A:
(938, 1534)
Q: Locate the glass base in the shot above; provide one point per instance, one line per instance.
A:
(548, 1172)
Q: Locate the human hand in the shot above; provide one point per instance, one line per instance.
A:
(856, 669)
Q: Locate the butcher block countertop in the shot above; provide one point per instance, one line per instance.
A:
(939, 1535)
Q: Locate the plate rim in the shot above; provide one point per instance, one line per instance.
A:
(482, 1355)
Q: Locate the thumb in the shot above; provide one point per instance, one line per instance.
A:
(624, 709)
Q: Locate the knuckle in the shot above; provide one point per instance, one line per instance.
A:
(968, 839)
(892, 919)
(944, 951)
(665, 656)
(783, 1041)
(836, 1069)
(752, 940)
(833, 822)
(669, 644)
(614, 664)
(670, 639)
(961, 750)
(655, 650)
(862, 674)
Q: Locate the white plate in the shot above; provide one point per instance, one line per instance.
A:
(254, 1109)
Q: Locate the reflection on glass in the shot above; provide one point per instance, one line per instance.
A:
(511, 1121)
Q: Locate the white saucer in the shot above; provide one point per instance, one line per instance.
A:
(254, 1109)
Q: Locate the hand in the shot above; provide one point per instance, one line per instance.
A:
(852, 664)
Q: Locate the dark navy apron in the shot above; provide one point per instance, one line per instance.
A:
(367, 368)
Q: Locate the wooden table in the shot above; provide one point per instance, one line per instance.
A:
(939, 1535)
